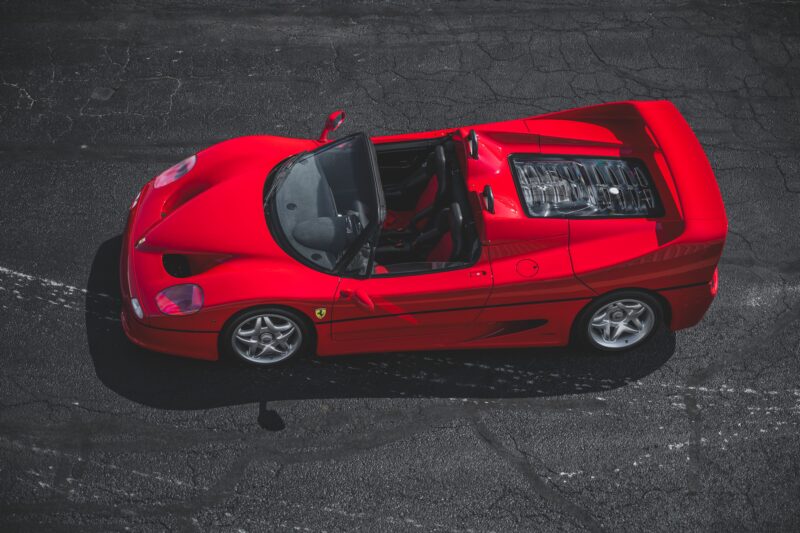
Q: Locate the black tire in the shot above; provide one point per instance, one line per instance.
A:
(581, 332)
(279, 317)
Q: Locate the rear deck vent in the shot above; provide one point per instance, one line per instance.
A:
(581, 187)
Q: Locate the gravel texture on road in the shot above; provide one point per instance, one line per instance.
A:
(696, 431)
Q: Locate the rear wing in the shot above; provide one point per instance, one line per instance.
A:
(696, 187)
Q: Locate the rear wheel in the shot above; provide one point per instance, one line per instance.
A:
(266, 336)
(619, 321)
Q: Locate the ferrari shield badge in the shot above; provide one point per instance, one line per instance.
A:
(320, 312)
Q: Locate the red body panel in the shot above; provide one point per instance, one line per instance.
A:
(419, 311)
(533, 278)
(680, 248)
(192, 344)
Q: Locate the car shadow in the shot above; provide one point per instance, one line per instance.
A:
(168, 382)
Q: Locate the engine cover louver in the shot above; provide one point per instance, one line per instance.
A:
(554, 186)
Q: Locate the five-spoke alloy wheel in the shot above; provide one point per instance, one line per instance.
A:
(619, 321)
(266, 336)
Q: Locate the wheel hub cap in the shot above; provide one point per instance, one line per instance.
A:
(621, 323)
(267, 338)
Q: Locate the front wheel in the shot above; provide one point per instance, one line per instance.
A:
(619, 321)
(266, 336)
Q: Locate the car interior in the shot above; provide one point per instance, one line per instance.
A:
(429, 224)
(321, 203)
(323, 209)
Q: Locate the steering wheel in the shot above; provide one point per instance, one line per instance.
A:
(353, 225)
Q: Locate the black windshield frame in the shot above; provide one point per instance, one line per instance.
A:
(370, 232)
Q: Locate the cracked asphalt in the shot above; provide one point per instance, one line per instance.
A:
(696, 431)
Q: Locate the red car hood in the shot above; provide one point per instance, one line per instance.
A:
(217, 208)
(214, 214)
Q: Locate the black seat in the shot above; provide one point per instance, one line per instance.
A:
(433, 234)
(415, 179)
(456, 231)
(445, 240)
(432, 199)
(440, 200)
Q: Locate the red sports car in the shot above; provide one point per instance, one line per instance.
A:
(595, 225)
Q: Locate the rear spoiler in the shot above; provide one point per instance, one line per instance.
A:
(698, 192)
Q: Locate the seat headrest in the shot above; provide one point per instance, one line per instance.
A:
(441, 167)
(456, 231)
(456, 217)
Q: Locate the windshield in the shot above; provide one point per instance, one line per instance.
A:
(324, 205)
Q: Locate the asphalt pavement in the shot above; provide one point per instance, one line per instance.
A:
(697, 431)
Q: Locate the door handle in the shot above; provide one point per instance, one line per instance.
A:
(360, 297)
(477, 273)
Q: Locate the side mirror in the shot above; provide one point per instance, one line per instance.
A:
(335, 120)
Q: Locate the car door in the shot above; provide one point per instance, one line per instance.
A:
(411, 311)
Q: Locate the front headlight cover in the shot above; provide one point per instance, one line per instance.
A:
(180, 300)
(175, 172)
